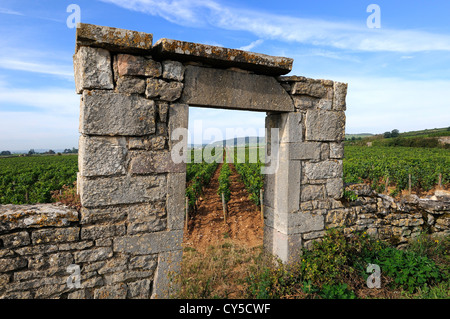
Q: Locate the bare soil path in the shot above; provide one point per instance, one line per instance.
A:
(207, 227)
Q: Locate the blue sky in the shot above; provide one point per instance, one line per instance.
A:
(398, 75)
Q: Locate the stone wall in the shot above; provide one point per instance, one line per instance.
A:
(308, 181)
(394, 220)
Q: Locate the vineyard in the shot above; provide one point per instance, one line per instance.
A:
(29, 180)
(26, 180)
(394, 168)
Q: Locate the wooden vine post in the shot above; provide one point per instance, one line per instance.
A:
(224, 207)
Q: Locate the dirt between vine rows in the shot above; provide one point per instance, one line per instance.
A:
(206, 226)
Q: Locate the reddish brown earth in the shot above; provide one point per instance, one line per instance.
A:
(207, 227)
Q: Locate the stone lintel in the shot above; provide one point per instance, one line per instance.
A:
(222, 57)
(113, 39)
(209, 87)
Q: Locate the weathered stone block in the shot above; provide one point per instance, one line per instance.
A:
(223, 57)
(35, 216)
(118, 291)
(169, 263)
(291, 127)
(335, 188)
(151, 243)
(163, 109)
(57, 260)
(304, 102)
(175, 200)
(178, 118)
(102, 156)
(146, 262)
(92, 69)
(55, 235)
(305, 150)
(337, 150)
(234, 90)
(130, 85)
(116, 114)
(8, 264)
(101, 215)
(166, 91)
(15, 239)
(154, 162)
(324, 169)
(102, 231)
(312, 192)
(173, 70)
(286, 247)
(113, 38)
(310, 87)
(139, 289)
(340, 93)
(122, 190)
(324, 125)
(92, 255)
(137, 66)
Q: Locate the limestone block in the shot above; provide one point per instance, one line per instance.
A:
(8, 264)
(337, 150)
(166, 91)
(173, 70)
(335, 187)
(139, 289)
(176, 200)
(116, 114)
(102, 156)
(149, 243)
(304, 102)
(322, 125)
(223, 57)
(324, 169)
(15, 239)
(302, 222)
(234, 90)
(137, 65)
(286, 247)
(310, 87)
(312, 192)
(340, 93)
(95, 232)
(57, 235)
(122, 190)
(92, 68)
(154, 162)
(118, 291)
(291, 129)
(130, 85)
(163, 109)
(178, 118)
(147, 218)
(93, 255)
(113, 38)
(169, 263)
(304, 151)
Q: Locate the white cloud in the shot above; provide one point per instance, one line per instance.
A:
(339, 35)
(11, 12)
(252, 45)
(53, 100)
(65, 71)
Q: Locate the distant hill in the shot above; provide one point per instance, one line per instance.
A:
(239, 141)
(429, 138)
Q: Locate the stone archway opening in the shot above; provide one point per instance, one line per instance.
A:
(135, 99)
(224, 137)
